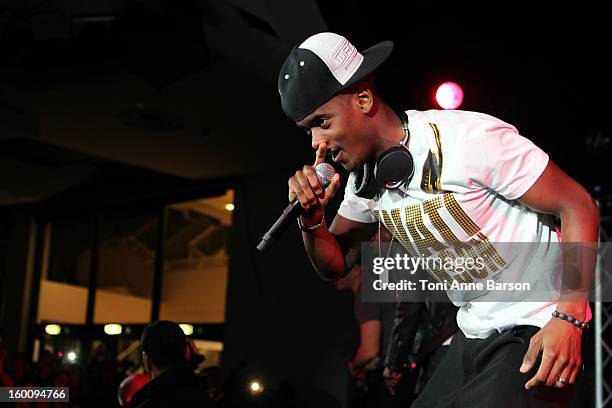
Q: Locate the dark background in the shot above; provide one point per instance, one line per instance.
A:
(139, 103)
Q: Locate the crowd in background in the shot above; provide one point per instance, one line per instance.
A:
(102, 382)
(93, 384)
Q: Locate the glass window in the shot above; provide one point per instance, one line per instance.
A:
(65, 270)
(125, 267)
(196, 261)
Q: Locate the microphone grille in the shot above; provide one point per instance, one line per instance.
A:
(325, 172)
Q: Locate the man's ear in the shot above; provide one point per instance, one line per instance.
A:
(365, 98)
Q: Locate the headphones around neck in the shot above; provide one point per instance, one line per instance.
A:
(393, 168)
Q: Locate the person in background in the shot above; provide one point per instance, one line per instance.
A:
(375, 320)
(172, 381)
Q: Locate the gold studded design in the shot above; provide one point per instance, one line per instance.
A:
(395, 226)
(431, 209)
(415, 235)
(459, 215)
(413, 212)
(485, 249)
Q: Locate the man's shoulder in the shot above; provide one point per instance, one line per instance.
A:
(454, 117)
(177, 386)
(177, 395)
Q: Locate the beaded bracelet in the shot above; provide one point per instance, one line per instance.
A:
(570, 319)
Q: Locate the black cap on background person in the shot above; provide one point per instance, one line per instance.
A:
(163, 346)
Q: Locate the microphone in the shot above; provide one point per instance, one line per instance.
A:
(325, 172)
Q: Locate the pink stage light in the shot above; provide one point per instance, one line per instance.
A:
(449, 95)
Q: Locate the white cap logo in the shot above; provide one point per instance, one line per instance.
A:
(338, 54)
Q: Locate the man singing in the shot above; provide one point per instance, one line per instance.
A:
(463, 179)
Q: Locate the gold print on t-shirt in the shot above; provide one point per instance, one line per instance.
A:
(485, 249)
(463, 249)
(395, 225)
(395, 216)
(414, 234)
(432, 168)
(397, 232)
(423, 238)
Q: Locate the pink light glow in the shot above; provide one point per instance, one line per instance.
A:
(449, 95)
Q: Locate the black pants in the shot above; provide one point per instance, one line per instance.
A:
(485, 373)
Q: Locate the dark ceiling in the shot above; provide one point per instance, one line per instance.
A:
(187, 89)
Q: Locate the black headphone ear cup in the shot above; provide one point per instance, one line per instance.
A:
(365, 183)
(394, 167)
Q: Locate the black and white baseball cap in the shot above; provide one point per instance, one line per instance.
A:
(322, 66)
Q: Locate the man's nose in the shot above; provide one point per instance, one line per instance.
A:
(317, 138)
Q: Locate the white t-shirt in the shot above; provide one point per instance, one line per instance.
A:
(469, 170)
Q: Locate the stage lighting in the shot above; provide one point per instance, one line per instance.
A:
(449, 95)
(187, 329)
(113, 329)
(71, 356)
(256, 387)
(53, 329)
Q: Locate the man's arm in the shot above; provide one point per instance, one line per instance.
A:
(405, 325)
(369, 345)
(560, 342)
(335, 251)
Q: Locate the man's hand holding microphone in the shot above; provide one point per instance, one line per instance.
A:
(305, 185)
(310, 189)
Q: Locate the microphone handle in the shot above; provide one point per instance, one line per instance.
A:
(291, 212)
